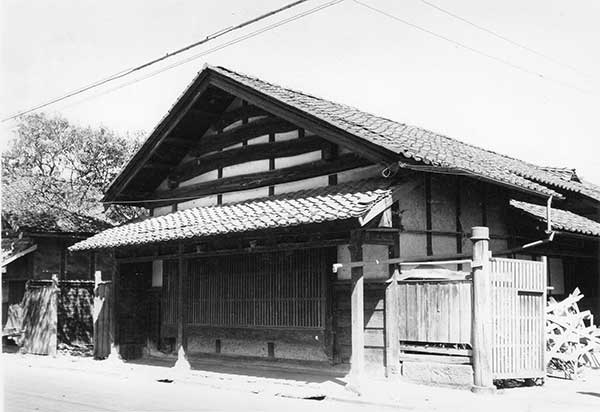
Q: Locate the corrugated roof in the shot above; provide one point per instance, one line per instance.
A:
(561, 219)
(324, 204)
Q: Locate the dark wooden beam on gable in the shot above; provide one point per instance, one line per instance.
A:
(260, 179)
(371, 151)
(240, 133)
(244, 154)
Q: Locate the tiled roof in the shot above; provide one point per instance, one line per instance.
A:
(317, 205)
(11, 247)
(561, 219)
(415, 142)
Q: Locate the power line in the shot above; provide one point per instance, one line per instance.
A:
(476, 51)
(504, 38)
(134, 69)
(212, 50)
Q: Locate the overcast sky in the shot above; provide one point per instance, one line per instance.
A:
(345, 53)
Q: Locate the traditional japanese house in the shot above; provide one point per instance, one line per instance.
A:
(35, 242)
(256, 190)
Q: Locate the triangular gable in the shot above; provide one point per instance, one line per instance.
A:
(378, 139)
(197, 109)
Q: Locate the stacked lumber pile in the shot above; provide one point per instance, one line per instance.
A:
(572, 339)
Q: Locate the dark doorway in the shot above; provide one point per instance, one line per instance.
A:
(133, 312)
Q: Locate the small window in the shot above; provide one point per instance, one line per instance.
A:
(556, 276)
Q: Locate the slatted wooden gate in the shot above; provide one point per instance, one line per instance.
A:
(518, 315)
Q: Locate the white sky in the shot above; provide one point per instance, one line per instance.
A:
(345, 53)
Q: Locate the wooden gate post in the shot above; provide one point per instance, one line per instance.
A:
(357, 308)
(392, 315)
(482, 314)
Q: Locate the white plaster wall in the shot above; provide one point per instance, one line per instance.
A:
(371, 253)
(259, 139)
(161, 211)
(290, 161)
(359, 174)
(280, 137)
(233, 125)
(200, 202)
(247, 167)
(413, 244)
(318, 181)
(240, 196)
(205, 177)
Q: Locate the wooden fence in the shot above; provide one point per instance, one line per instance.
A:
(40, 318)
(435, 311)
(436, 315)
(518, 315)
(103, 309)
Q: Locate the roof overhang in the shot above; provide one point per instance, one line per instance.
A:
(6, 262)
(351, 201)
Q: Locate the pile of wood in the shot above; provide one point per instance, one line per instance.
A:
(572, 339)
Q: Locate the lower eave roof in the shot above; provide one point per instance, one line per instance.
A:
(560, 219)
(319, 205)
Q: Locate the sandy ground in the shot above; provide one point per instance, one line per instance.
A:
(82, 384)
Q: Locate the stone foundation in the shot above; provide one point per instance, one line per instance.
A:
(438, 373)
(293, 345)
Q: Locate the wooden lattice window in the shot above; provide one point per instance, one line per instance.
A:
(275, 289)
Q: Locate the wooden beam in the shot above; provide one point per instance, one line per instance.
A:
(244, 154)
(259, 179)
(238, 114)
(357, 308)
(428, 219)
(158, 165)
(392, 319)
(482, 311)
(260, 127)
(182, 107)
(375, 153)
(180, 286)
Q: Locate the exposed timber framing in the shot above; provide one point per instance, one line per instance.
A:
(241, 113)
(357, 308)
(260, 179)
(260, 127)
(244, 154)
(163, 130)
(306, 121)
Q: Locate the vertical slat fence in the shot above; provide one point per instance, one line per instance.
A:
(518, 312)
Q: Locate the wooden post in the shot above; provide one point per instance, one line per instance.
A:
(482, 314)
(392, 343)
(114, 355)
(182, 363)
(357, 307)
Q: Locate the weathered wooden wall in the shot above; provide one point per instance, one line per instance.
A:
(374, 322)
(40, 319)
(102, 320)
(244, 304)
(435, 311)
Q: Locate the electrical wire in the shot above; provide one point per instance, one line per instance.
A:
(477, 51)
(209, 51)
(504, 38)
(212, 50)
(134, 69)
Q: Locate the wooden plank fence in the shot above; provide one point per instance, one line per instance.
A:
(40, 318)
(435, 311)
(103, 309)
